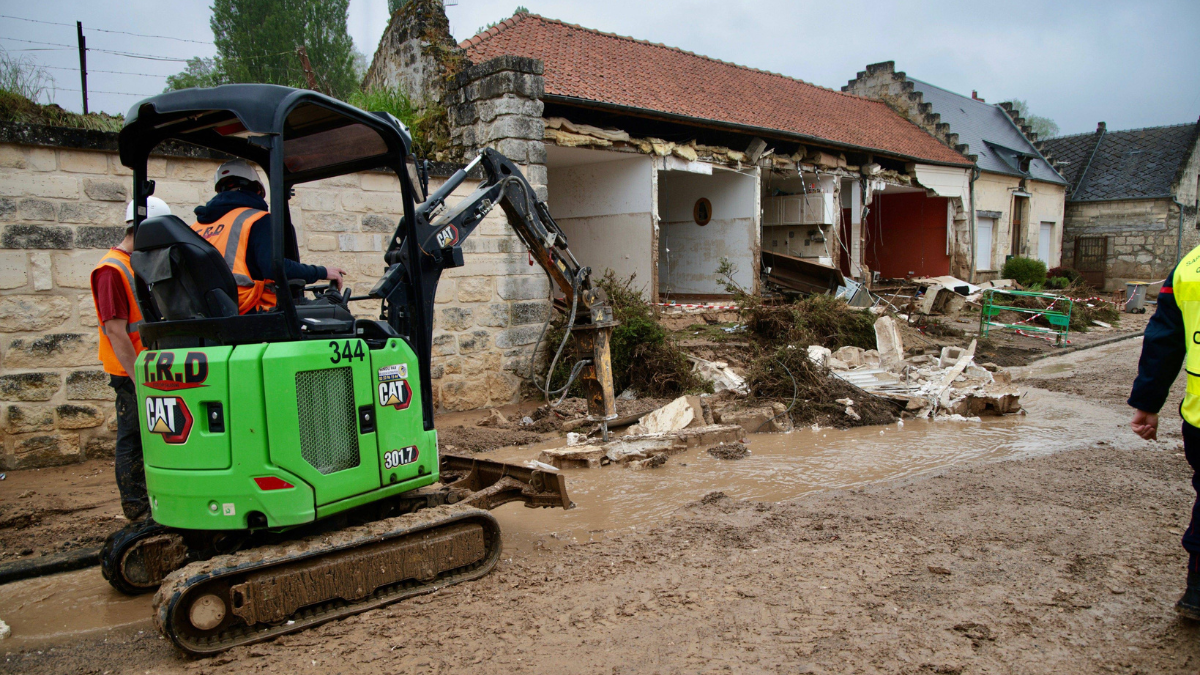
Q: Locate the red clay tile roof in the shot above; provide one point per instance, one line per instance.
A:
(595, 66)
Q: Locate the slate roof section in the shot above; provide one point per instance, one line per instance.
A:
(601, 67)
(1070, 154)
(1133, 164)
(988, 132)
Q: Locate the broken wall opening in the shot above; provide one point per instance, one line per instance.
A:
(706, 214)
(799, 214)
(604, 203)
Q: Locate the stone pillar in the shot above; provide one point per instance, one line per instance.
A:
(497, 104)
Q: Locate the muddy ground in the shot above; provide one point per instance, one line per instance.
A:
(64, 508)
(1067, 563)
(1106, 376)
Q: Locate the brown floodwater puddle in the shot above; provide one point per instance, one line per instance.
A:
(613, 500)
(67, 607)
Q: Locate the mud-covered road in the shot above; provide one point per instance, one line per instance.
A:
(1064, 563)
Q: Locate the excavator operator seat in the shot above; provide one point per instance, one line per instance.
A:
(186, 277)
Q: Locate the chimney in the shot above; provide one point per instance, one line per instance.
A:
(1100, 128)
(975, 96)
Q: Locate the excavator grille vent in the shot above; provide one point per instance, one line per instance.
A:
(328, 419)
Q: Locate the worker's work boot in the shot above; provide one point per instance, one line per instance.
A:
(1189, 605)
(135, 510)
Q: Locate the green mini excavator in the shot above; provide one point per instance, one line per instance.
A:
(291, 456)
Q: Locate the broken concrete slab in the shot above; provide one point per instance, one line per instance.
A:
(574, 457)
(939, 299)
(888, 342)
(979, 404)
(651, 462)
(948, 379)
(638, 447)
(762, 419)
(721, 375)
(494, 418)
(853, 357)
(682, 412)
(819, 355)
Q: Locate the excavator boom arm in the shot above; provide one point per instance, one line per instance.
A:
(439, 232)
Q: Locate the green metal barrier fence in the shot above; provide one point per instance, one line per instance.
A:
(1055, 314)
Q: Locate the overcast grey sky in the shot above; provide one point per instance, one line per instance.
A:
(1131, 64)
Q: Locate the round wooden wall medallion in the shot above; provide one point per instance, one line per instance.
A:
(702, 211)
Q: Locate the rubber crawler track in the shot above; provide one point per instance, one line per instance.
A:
(195, 578)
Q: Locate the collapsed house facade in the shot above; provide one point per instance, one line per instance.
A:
(1133, 197)
(661, 164)
(1018, 195)
(683, 162)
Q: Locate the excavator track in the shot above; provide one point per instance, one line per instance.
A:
(261, 593)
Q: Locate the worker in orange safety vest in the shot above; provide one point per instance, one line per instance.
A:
(119, 318)
(237, 223)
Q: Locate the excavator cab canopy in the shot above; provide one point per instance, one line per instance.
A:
(294, 136)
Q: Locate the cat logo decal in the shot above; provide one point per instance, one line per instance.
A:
(169, 417)
(395, 393)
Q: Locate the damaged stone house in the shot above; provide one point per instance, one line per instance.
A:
(1018, 195)
(1132, 201)
(682, 161)
(661, 163)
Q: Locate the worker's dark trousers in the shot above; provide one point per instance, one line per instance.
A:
(1191, 538)
(131, 472)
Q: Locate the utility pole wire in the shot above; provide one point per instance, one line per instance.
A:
(112, 72)
(102, 30)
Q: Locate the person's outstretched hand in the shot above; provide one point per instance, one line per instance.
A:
(1145, 424)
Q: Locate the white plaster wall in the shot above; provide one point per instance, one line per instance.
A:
(607, 211)
(695, 251)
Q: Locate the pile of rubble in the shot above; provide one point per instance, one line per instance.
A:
(948, 383)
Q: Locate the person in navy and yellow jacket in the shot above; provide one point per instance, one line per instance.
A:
(1172, 340)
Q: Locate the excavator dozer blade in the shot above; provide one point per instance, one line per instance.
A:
(486, 484)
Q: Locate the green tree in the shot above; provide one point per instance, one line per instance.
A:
(395, 5)
(200, 72)
(257, 41)
(1044, 127)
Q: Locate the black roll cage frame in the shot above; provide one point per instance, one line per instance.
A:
(196, 117)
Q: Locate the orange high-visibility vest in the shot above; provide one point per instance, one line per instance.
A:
(119, 260)
(230, 234)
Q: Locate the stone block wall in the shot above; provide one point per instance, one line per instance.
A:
(62, 207)
(1142, 236)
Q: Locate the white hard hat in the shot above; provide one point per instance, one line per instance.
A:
(155, 207)
(236, 168)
